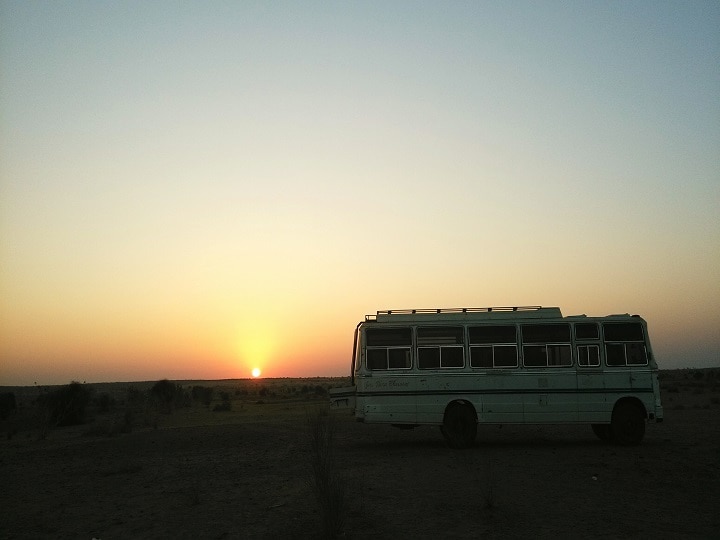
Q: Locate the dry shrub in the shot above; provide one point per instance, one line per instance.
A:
(222, 407)
(168, 396)
(204, 394)
(108, 427)
(67, 405)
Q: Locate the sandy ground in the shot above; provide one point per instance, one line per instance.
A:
(248, 475)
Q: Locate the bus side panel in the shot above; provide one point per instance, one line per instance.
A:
(342, 398)
(593, 403)
(491, 396)
(387, 399)
(643, 383)
(550, 395)
(656, 394)
(500, 404)
(618, 383)
(434, 395)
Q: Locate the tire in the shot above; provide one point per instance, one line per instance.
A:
(459, 426)
(628, 424)
(603, 432)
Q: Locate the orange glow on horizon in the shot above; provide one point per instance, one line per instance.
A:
(257, 345)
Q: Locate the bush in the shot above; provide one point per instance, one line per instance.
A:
(204, 394)
(112, 426)
(167, 395)
(67, 405)
(224, 406)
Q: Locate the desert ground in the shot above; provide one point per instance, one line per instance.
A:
(239, 464)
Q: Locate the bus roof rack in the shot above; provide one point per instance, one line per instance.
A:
(464, 313)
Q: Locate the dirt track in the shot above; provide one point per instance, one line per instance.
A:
(251, 479)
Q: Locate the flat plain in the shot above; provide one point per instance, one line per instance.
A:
(199, 470)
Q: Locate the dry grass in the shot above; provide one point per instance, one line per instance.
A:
(682, 389)
(326, 481)
(123, 407)
(249, 472)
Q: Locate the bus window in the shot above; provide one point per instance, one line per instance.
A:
(635, 354)
(615, 354)
(546, 345)
(505, 355)
(492, 334)
(586, 331)
(493, 346)
(623, 332)
(440, 347)
(388, 348)
(546, 333)
(624, 344)
(588, 355)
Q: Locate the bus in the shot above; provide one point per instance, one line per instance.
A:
(460, 367)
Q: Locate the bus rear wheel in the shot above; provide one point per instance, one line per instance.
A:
(628, 424)
(459, 426)
(603, 432)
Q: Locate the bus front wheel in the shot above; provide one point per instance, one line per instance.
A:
(459, 426)
(628, 423)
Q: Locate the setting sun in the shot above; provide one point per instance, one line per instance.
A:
(256, 372)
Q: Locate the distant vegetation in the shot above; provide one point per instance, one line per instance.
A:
(168, 396)
(690, 388)
(67, 405)
(203, 394)
(115, 408)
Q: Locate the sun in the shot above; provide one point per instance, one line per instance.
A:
(256, 372)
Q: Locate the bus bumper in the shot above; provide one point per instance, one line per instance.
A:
(342, 398)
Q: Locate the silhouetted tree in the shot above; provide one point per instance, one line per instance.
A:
(66, 406)
(168, 395)
(203, 394)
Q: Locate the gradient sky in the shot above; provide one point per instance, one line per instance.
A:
(193, 189)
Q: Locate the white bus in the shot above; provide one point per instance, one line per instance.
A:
(456, 368)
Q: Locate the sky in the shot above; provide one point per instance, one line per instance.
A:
(190, 190)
